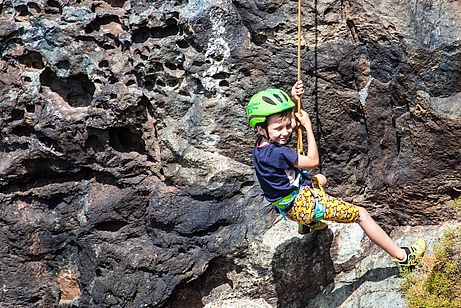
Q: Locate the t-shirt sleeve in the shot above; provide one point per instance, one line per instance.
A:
(283, 157)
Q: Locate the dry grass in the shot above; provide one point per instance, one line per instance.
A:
(437, 281)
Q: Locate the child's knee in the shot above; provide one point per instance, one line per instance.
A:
(321, 178)
(363, 214)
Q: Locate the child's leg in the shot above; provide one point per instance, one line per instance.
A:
(378, 236)
(343, 212)
(322, 180)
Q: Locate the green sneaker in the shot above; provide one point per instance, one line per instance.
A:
(414, 254)
(312, 227)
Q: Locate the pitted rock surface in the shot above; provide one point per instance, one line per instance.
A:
(125, 162)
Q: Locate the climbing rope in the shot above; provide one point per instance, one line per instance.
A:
(298, 103)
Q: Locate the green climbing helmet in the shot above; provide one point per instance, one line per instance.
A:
(266, 103)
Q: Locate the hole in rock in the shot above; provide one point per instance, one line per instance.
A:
(31, 59)
(92, 142)
(22, 9)
(96, 24)
(110, 226)
(200, 89)
(157, 67)
(22, 131)
(215, 276)
(144, 33)
(50, 143)
(34, 7)
(17, 114)
(53, 3)
(184, 92)
(258, 39)
(30, 108)
(116, 3)
(103, 63)
(54, 200)
(97, 139)
(182, 44)
(148, 82)
(126, 139)
(220, 75)
(113, 79)
(39, 172)
(246, 72)
(63, 64)
(328, 11)
(77, 90)
(172, 82)
(171, 66)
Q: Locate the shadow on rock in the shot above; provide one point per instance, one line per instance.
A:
(332, 297)
(302, 268)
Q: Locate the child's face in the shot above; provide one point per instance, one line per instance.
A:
(280, 127)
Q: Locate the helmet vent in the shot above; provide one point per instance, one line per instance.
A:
(268, 100)
(286, 96)
(278, 97)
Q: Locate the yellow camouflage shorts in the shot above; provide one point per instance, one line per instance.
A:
(337, 210)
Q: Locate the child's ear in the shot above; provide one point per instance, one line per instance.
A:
(260, 130)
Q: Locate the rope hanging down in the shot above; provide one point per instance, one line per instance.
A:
(298, 103)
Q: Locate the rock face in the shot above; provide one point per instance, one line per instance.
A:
(125, 163)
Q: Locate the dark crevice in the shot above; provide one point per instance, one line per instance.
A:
(143, 34)
(192, 292)
(102, 44)
(110, 226)
(77, 90)
(17, 114)
(116, 3)
(53, 7)
(163, 226)
(207, 231)
(22, 9)
(42, 172)
(22, 131)
(353, 30)
(127, 139)
(31, 59)
(48, 142)
(96, 24)
(97, 139)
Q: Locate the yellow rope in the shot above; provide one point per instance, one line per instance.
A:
(300, 130)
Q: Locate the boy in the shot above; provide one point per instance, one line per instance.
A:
(284, 181)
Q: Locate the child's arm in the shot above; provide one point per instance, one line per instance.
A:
(311, 160)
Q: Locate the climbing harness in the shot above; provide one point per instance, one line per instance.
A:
(319, 209)
(284, 204)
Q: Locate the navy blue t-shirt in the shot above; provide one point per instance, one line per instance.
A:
(275, 170)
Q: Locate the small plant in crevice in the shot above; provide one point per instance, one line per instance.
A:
(437, 282)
